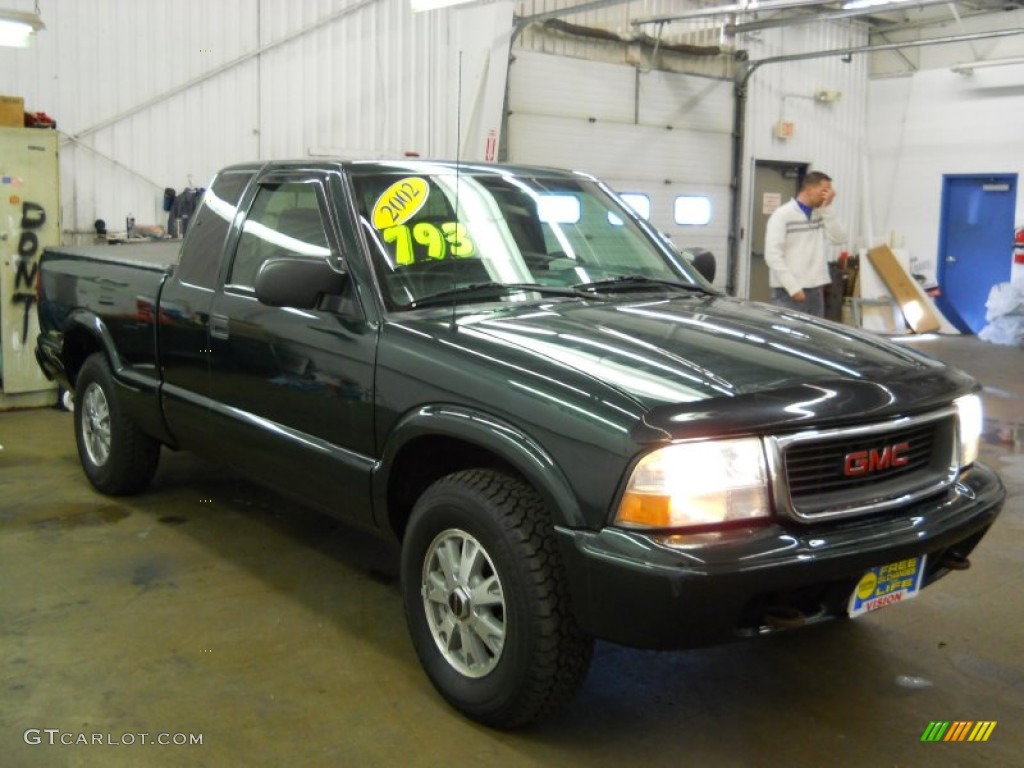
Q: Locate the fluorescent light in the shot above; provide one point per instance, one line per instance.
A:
(17, 28)
(853, 4)
(431, 5)
(969, 66)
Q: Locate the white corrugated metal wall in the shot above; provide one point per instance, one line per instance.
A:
(369, 77)
(150, 95)
(931, 120)
(832, 137)
(971, 122)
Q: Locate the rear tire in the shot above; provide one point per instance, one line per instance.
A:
(486, 600)
(117, 457)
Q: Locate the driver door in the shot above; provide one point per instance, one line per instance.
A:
(294, 386)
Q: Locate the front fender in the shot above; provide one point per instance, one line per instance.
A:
(491, 434)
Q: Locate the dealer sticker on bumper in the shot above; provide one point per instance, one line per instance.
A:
(887, 584)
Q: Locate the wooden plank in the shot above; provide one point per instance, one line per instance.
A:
(920, 316)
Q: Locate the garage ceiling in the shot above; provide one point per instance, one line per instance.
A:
(712, 31)
(882, 16)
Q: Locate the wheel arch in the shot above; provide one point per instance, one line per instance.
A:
(435, 441)
(85, 334)
(130, 456)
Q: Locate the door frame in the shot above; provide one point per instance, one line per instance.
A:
(801, 169)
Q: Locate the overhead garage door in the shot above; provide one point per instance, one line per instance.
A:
(658, 134)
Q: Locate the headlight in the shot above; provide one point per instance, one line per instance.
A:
(697, 484)
(969, 423)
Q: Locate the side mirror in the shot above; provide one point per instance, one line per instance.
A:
(292, 281)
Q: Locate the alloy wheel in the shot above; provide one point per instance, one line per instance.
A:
(464, 602)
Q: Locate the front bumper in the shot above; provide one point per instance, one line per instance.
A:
(665, 592)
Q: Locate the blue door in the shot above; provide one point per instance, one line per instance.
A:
(975, 244)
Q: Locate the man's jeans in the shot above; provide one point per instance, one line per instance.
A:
(813, 303)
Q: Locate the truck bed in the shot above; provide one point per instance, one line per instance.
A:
(157, 256)
(118, 286)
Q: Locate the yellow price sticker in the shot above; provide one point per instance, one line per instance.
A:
(400, 202)
(438, 242)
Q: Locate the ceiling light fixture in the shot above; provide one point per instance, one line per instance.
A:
(854, 4)
(967, 67)
(431, 5)
(17, 28)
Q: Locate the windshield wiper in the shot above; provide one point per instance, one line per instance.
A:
(633, 282)
(482, 290)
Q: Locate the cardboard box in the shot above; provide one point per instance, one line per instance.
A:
(12, 111)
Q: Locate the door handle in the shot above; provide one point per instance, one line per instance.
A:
(951, 259)
(219, 327)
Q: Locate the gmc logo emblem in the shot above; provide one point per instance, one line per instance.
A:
(866, 462)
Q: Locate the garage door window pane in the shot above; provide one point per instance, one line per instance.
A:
(638, 202)
(693, 210)
(558, 209)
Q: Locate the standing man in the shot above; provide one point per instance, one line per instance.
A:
(794, 246)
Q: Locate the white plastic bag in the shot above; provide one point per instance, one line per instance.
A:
(1005, 315)
(1005, 330)
(1005, 299)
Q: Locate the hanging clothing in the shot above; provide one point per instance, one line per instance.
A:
(182, 210)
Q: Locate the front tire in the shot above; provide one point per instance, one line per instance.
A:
(117, 457)
(486, 600)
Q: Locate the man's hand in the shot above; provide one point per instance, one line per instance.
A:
(798, 296)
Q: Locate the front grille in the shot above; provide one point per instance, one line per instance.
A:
(853, 471)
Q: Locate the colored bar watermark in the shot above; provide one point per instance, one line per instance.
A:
(958, 730)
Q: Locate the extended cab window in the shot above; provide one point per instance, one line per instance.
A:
(284, 220)
(206, 236)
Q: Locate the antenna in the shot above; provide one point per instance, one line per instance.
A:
(458, 127)
(458, 164)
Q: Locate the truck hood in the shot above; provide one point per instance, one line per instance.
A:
(699, 362)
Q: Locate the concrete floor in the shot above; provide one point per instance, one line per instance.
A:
(207, 606)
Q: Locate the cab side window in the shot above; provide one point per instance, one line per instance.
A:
(284, 220)
(206, 236)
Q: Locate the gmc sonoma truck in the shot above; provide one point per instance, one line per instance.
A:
(568, 431)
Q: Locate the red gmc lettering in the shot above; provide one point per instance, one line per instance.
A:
(865, 462)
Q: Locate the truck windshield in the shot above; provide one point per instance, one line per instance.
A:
(436, 232)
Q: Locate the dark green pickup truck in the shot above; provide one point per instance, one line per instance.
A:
(571, 434)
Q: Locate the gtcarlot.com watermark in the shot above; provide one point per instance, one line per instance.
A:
(56, 737)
